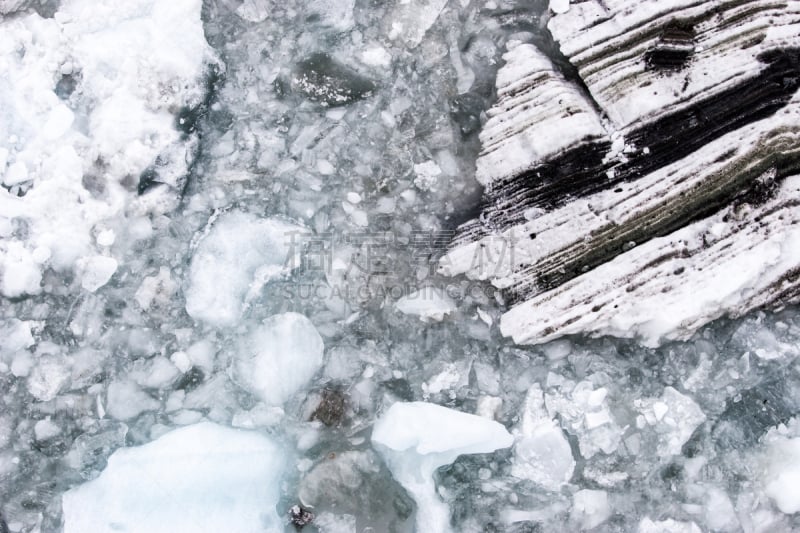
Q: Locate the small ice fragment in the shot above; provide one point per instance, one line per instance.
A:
(485, 316)
(542, 453)
(376, 57)
(96, 271)
(590, 508)
(428, 303)
(559, 6)
(325, 168)
(353, 197)
(126, 401)
(667, 526)
(106, 237)
(45, 429)
(428, 174)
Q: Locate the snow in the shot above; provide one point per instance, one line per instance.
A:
(542, 452)
(198, 478)
(234, 260)
(430, 304)
(279, 357)
(135, 65)
(416, 438)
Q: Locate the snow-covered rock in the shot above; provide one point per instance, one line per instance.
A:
(278, 357)
(638, 200)
(416, 438)
(237, 256)
(542, 452)
(203, 477)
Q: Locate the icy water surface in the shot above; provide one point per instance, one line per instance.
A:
(278, 290)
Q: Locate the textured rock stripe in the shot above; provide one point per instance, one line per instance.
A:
(690, 109)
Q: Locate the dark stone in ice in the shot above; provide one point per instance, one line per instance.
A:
(191, 379)
(322, 79)
(147, 180)
(300, 517)
(331, 408)
(66, 86)
(465, 109)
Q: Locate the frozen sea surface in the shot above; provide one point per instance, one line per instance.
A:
(219, 223)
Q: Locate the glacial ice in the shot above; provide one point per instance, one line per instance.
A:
(238, 256)
(202, 477)
(278, 357)
(416, 438)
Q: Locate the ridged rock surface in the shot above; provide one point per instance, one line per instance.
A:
(652, 192)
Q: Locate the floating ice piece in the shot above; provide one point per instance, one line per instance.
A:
(542, 453)
(96, 271)
(781, 478)
(667, 526)
(412, 19)
(674, 417)
(238, 256)
(202, 477)
(559, 6)
(590, 508)
(416, 438)
(127, 401)
(279, 357)
(430, 304)
(428, 173)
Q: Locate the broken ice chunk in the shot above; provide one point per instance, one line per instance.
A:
(542, 453)
(590, 508)
(96, 271)
(781, 476)
(430, 304)
(416, 438)
(427, 175)
(127, 401)
(323, 79)
(674, 417)
(667, 526)
(279, 357)
(238, 256)
(203, 477)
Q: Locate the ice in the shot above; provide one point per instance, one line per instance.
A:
(430, 304)
(584, 410)
(590, 508)
(45, 429)
(416, 438)
(203, 477)
(234, 260)
(781, 477)
(72, 148)
(667, 526)
(674, 418)
(125, 401)
(279, 357)
(96, 271)
(542, 453)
